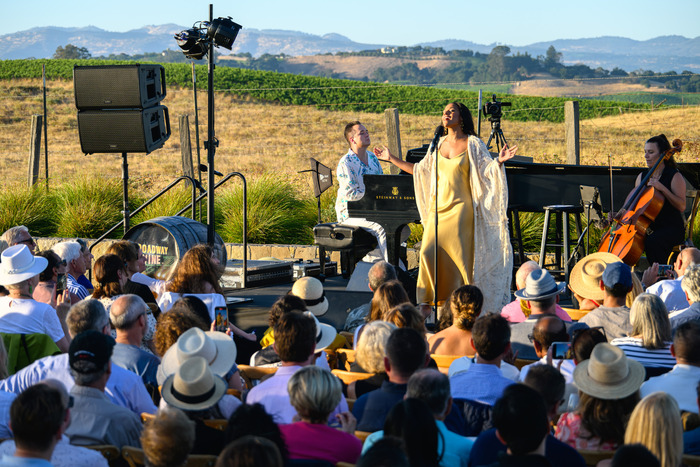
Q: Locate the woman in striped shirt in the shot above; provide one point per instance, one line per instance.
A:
(650, 341)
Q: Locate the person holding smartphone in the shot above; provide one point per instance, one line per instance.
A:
(551, 341)
(53, 276)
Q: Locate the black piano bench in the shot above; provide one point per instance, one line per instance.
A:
(351, 241)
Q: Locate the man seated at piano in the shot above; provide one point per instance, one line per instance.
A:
(358, 162)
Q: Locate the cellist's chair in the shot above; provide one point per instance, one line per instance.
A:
(561, 241)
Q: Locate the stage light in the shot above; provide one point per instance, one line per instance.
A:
(193, 43)
(223, 32)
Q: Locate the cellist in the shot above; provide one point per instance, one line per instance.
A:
(668, 227)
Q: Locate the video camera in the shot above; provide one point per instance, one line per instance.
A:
(493, 109)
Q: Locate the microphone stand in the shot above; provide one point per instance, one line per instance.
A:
(435, 258)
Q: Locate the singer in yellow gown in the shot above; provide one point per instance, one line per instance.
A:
(472, 235)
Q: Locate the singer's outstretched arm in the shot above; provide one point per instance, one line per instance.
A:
(383, 154)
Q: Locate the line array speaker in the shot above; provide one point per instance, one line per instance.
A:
(123, 130)
(118, 86)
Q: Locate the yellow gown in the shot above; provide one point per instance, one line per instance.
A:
(455, 219)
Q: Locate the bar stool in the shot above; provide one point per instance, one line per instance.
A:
(561, 242)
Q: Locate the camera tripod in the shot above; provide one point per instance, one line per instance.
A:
(496, 133)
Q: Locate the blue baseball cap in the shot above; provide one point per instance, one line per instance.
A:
(617, 273)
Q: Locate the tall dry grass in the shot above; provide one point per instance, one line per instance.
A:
(261, 138)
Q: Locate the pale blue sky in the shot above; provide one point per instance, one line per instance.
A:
(406, 22)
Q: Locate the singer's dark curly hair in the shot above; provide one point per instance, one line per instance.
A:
(467, 120)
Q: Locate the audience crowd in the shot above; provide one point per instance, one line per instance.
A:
(139, 364)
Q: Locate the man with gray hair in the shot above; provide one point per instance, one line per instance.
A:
(71, 253)
(379, 273)
(96, 420)
(518, 310)
(18, 235)
(433, 388)
(128, 315)
(671, 290)
(124, 388)
(691, 287)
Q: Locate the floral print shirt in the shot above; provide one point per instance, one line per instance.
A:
(351, 186)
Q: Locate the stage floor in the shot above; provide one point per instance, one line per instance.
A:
(253, 314)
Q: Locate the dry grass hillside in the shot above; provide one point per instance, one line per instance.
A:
(257, 138)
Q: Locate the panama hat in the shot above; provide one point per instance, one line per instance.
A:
(217, 348)
(193, 386)
(609, 374)
(310, 290)
(18, 264)
(586, 275)
(325, 333)
(539, 285)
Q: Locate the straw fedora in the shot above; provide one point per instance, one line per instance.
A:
(586, 275)
(193, 386)
(539, 285)
(325, 333)
(216, 348)
(18, 264)
(310, 290)
(609, 374)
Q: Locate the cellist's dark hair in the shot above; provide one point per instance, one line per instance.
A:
(467, 120)
(664, 145)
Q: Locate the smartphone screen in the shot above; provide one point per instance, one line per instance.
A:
(560, 350)
(221, 318)
(60, 284)
(663, 268)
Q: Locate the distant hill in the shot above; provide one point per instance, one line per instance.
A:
(665, 53)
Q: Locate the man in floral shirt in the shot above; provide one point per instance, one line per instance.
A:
(351, 169)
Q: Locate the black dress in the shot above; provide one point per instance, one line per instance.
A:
(668, 229)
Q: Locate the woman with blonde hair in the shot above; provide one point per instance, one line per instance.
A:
(406, 316)
(656, 423)
(387, 296)
(315, 393)
(465, 306)
(650, 340)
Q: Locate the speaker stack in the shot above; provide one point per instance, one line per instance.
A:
(118, 108)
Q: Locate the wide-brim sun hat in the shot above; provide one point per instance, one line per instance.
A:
(586, 275)
(217, 348)
(193, 386)
(18, 264)
(311, 291)
(325, 333)
(609, 374)
(539, 285)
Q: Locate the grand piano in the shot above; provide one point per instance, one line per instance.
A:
(389, 200)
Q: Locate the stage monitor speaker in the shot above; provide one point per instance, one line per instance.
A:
(118, 86)
(123, 130)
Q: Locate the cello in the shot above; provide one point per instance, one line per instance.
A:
(625, 238)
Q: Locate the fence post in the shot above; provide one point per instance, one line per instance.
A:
(393, 135)
(573, 150)
(186, 148)
(34, 150)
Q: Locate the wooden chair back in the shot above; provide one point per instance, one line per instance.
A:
(108, 451)
(344, 357)
(217, 423)
(593, 457)
(362, 435)
(444, 361)
(349, 376)
(575, 314)
(135, 457)
(521, 362)
(690, 461)
(252, 375)
(147, 416)
(234, 393)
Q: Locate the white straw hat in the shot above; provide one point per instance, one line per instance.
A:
(609, 374)
(217, 348)
(539, 285)
(193, 386)
(18, 264)
(310, 290)
(325, 333)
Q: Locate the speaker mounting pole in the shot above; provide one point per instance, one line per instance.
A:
(211, 142)
(125, 179)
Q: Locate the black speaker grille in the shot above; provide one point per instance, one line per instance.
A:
(118, 86)
(117, 131)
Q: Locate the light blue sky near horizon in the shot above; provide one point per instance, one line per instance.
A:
(407, 22)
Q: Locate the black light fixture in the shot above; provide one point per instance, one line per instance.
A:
(196, 41)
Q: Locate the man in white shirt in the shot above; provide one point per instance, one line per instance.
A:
(682, 380)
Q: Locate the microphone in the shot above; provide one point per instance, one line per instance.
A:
(438, 133)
